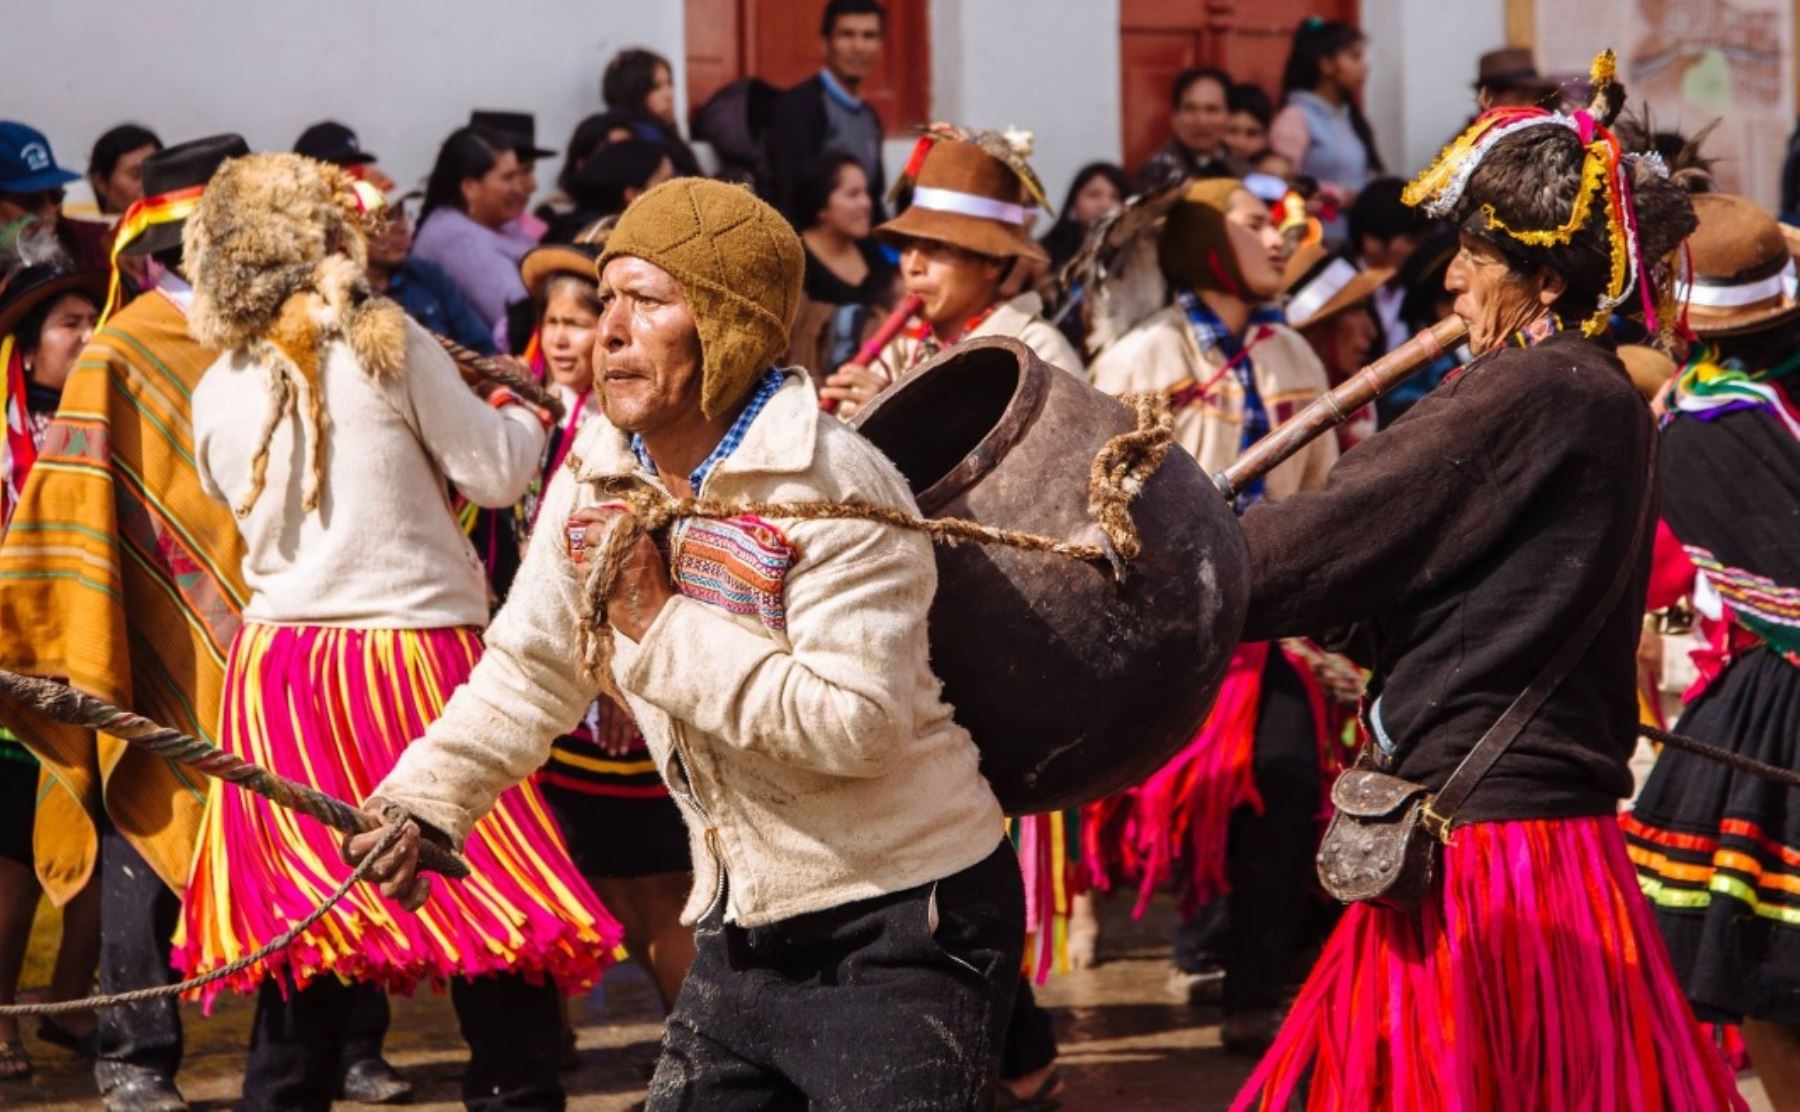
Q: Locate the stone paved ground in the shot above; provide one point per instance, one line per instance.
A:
(1128, 1046)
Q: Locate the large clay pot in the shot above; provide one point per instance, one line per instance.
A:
(1075, 683)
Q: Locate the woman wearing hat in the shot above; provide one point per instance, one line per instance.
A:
(959, 238)
(1490, 551)
(47, 315)
(1235, 810)
(1718, 850)
(365, 613)
(1330, 303)
(623, 829)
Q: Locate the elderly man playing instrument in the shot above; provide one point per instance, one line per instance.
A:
(850, 870)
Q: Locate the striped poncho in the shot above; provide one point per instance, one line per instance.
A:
(119, 574)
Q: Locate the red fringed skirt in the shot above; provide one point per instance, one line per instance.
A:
(1534, 979)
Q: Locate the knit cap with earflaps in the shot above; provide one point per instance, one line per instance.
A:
(740, 265)
(1194, 248)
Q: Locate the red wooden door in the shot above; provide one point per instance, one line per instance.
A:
(1160, 38)
(778, 40)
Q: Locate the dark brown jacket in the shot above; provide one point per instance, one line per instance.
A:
(1466, 542)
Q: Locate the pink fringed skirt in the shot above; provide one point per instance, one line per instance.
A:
(334, 708)
(1169, 832)
(1534, 979)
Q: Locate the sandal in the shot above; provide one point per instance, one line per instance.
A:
(15, 1064)
(1045, 1098)
(82, 1046)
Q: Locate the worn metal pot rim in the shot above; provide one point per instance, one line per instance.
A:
(1027, 398)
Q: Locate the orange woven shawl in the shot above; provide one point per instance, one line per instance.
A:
(120, 575)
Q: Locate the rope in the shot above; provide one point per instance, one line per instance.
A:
(1724, 756)
(280, 942)
(65, 704)
(1118, 474)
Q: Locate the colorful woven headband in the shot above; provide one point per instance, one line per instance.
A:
(1605, 172)
(146, 213)
(171, 208)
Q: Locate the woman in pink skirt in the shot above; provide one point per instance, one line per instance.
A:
(1467, 545)
(331, 425)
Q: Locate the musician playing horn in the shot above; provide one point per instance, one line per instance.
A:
(853, 890)
(959, 240)
(329, 426)
(1490, 548)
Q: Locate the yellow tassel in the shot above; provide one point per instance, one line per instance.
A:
(1605, 69)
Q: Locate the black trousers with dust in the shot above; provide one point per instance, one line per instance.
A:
(300, 1039)
(897, 1002)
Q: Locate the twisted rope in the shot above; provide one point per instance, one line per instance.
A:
(76, 708)
(1117, 476)
(503, 370)
(278, 943)
(1749, 765)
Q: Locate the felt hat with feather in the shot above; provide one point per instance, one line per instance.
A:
(972, 190)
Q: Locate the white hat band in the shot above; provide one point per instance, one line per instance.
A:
(1742, 294)
(968, 204)
(1310, 298)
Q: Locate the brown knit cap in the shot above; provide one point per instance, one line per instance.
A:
(740, 265)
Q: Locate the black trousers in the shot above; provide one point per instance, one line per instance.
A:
(896, 1002)
(137, 919)
(1030, 1037)
(1269, 856)
(299, 1042)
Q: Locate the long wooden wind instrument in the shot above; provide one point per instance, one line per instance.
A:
(1334, 408)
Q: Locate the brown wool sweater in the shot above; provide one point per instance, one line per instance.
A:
(1465, 543)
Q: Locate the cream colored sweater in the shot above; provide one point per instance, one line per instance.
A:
(383, 551)
(1161, 354)
(786, 693)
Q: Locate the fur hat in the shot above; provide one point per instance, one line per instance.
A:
(277, 251)
(1556, 191)
(740, 265)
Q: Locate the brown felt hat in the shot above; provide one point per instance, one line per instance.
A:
(967, 198)
(1511, 67)
(1319, 284)
(739, 263)
(1743, 276)
(1649, 369)
(541, 264)
(35, 285)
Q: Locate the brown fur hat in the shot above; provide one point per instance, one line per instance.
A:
(271, 227)
(277, 253)
(1530, 179)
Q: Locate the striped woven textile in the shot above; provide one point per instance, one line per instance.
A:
(120, 575)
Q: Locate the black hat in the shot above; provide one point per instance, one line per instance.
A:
(37, 284)
(519, 129)
(182, 166)
(330, 141)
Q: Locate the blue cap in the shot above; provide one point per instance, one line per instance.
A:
(26, 164)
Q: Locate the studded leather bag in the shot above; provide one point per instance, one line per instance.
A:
(1386, 833)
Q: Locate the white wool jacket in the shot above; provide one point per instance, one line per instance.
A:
(383, 550)
(786, 692)
(1161, 354)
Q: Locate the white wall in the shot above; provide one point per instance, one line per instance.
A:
(1424, 55)
(1052, 69)
(403, 73)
